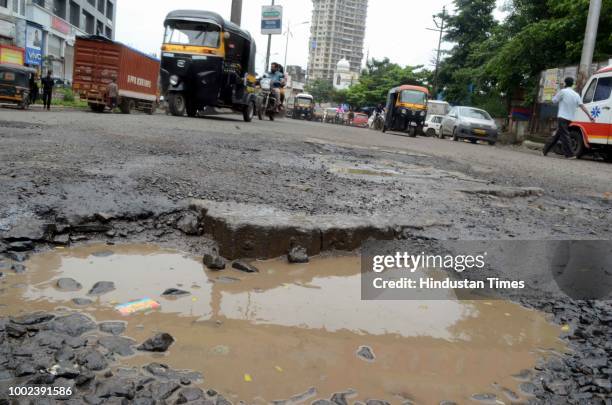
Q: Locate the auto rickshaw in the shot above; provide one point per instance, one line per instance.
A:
(15, 84)
(207, 62)
(406, 109)
(303, 107)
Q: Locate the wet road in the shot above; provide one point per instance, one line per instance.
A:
(68, 163)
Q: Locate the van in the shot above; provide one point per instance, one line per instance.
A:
(595, 137)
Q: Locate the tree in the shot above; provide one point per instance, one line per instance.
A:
(322, 90)
(379, 77)
(468, 29)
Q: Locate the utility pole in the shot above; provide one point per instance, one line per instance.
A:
(268, 51)
(588, 48)
(439, 28)
(236, 17)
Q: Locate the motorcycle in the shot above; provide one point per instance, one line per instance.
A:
(377, 121)
(268, 100)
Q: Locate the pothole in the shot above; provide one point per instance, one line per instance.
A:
(271, 335)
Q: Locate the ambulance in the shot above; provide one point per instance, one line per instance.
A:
(595, 137)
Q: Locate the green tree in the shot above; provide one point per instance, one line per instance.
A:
(471, 26)
(379, 77)
(322, 90)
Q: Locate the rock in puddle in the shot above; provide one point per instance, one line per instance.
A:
(118, 344)
(213, 261)
(189, 394)
(244, 267)
(175, 292)
(92, 360)
(82, 301)
(68, 284)
(103, 253)
(17, 256)
(21, 246)
(366, 353)
(189, 224)
(298, 254)
(101, 287)
(74, 324)
(484, 397)
(32, 319)
(112, 327)
(18, 268)
(158, 343)
(225, 280)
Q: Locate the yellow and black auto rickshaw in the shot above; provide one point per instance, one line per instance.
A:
(406, 109)
(303, 107)
(207, 62)
(15, 84)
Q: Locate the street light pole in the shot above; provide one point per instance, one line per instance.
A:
(236, 17)
(288, 34)
(440, 28)
(588, 48)
(268, 51)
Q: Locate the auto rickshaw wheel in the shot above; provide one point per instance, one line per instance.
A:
(412, 132)
(249, 112)
(176, 104)
(271, 116)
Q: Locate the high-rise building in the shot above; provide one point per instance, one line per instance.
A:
(337, 32)
(46, 29)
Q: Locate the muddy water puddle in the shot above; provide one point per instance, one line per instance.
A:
(272, 335)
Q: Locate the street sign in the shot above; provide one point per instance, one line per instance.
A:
(271, 20)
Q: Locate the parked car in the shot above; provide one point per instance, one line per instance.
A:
(360, 120)
(432, 126)
(470, 123)
(588, 137)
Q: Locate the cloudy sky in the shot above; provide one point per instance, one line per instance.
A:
(395, 28)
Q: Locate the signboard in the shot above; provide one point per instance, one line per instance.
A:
(551, 85)
(11, 54)
(34, 39)
(60, 25)
(272, 20)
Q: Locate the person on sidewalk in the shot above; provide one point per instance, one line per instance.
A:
(47, 87)
(33, 88)
(568, 101)
(113, 94)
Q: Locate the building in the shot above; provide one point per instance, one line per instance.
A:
(47, 29)
(337, 32)
(296, 73)
(343, 76)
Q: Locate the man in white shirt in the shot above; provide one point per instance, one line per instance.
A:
(568, 101)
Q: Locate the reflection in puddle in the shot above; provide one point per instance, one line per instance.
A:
(292, 327)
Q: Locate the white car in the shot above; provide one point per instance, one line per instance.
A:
(433, 125)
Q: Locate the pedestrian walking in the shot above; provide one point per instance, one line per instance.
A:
(33, 88)
(568, 101)
(113, 94)
(47, 86)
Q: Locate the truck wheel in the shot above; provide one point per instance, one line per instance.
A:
(249, 112)
(127, 106)
(176, 103)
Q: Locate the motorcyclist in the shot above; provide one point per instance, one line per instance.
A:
(278, 80)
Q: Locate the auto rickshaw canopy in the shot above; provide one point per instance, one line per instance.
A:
(226, 26)
(404, 87)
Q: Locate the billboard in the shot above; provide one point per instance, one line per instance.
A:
(271, 20)
(34, 41)
(11, 54)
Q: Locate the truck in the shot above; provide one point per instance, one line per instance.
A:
(98, 61)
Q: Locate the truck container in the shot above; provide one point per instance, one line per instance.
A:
(98, 61)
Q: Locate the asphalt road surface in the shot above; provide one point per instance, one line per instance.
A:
(63, 163)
